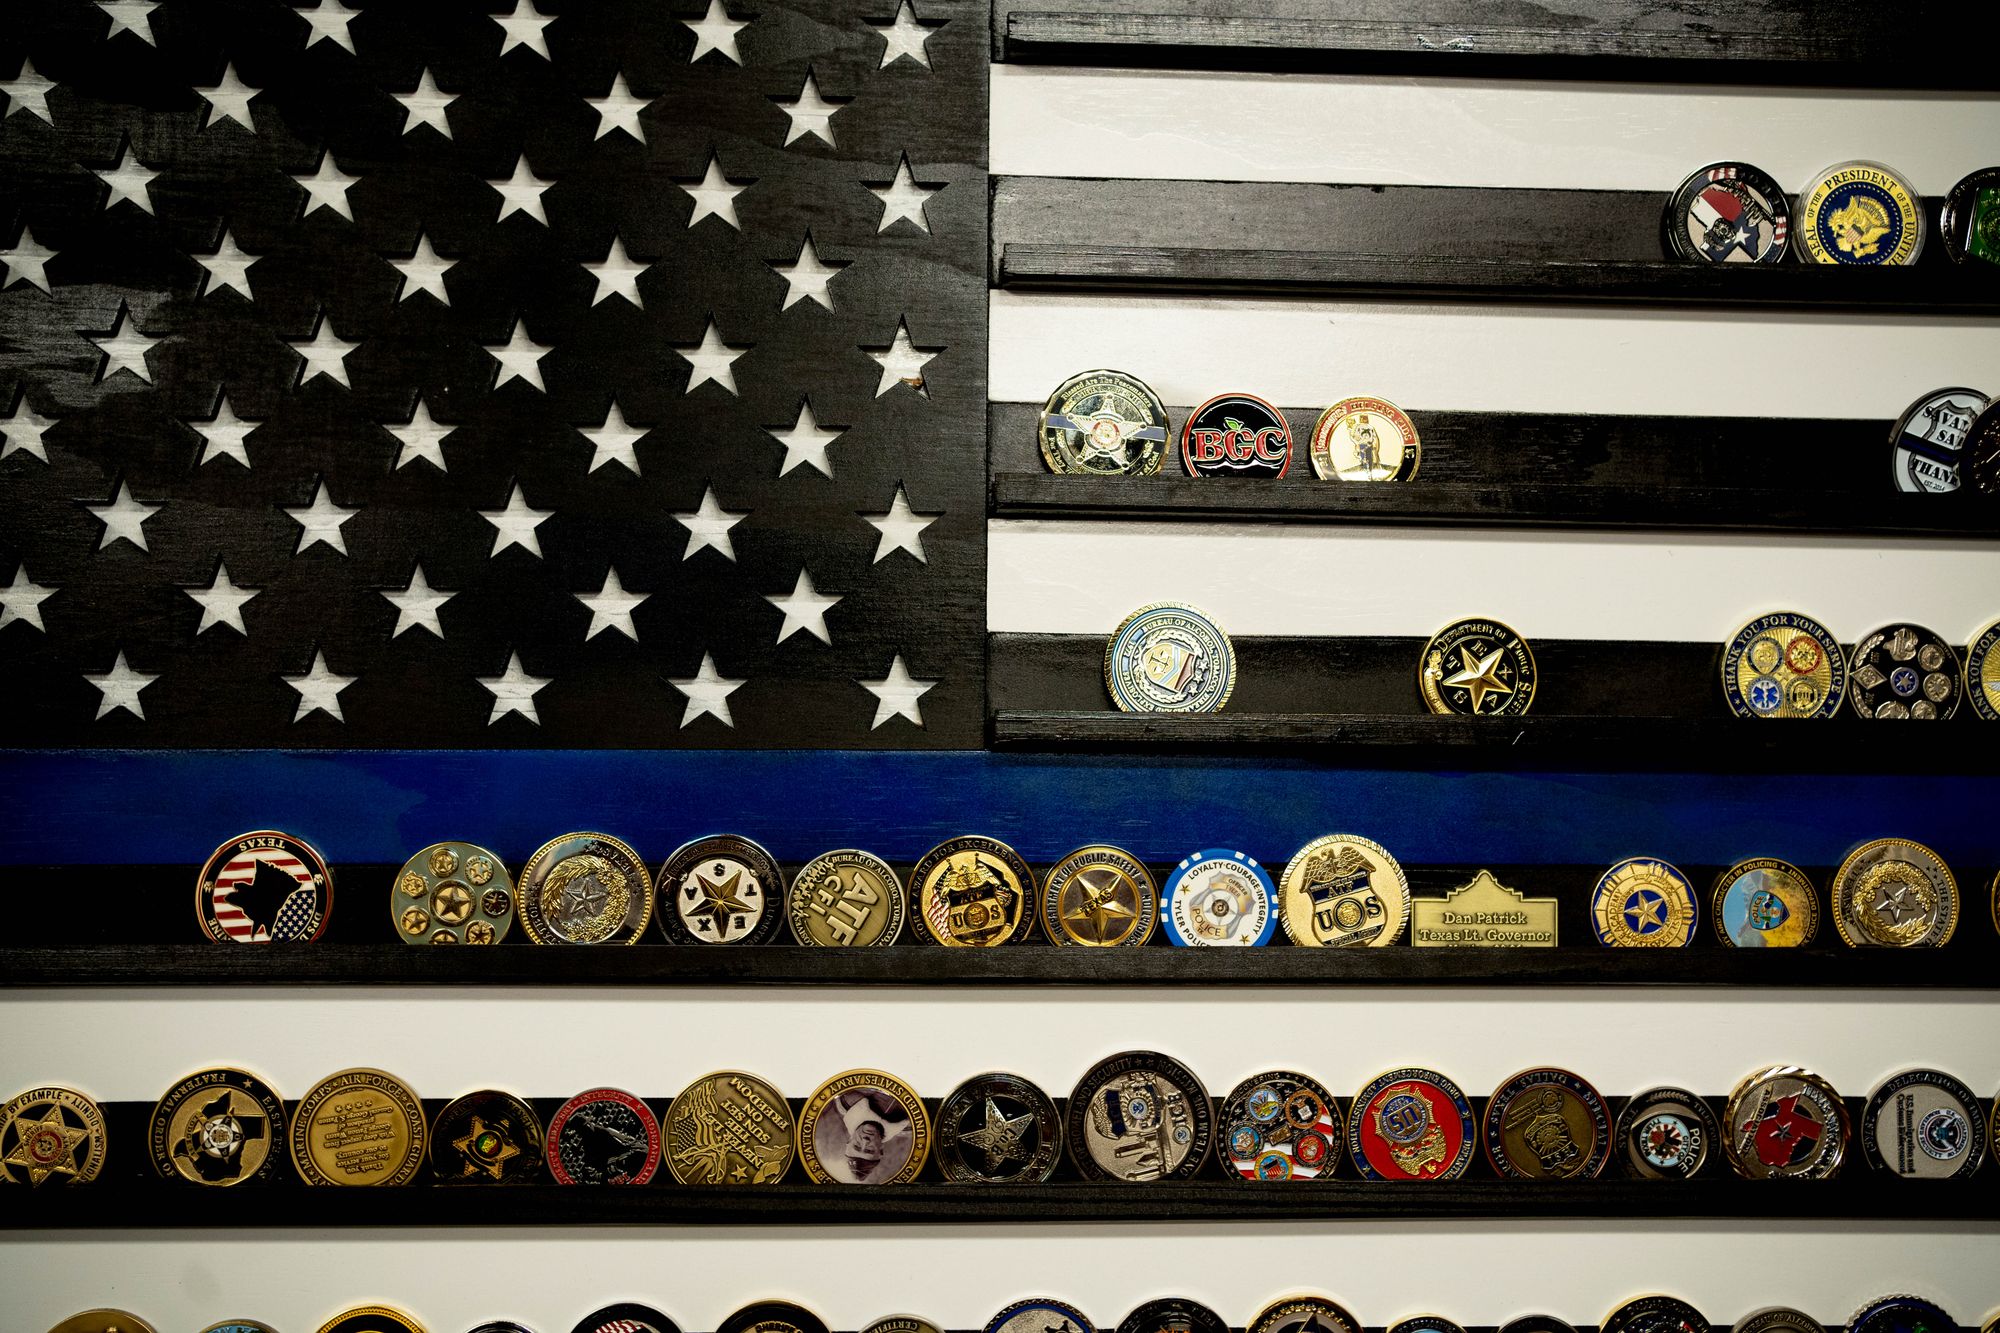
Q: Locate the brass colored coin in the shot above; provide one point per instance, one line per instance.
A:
(359, 1127)
(768, 1317)
(585, 888)
(1477, 668)
(452, 893)
(1641, 903)
(864, 1127)
(1784, 665)
(1655, 1314)
(721, 889)
(1099, 896)
(1894, 893)
(1304, 1314)
(972, 892)
(51, 1134)
(486, 1138)
(1783, 1122)
(1365, 439)
(1982, 673)
(998, 1129)
(845, 897)
(218, 1127)
(371, 1319)
(1342, 890)
(103, 1321)
(1547, 1124)
(1904, 672)
(1040, 1315)
(729, 1128)
(1764, 903)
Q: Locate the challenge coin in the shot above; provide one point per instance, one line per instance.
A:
(1104, 423)
(1923, 1123)
(453, 893)
(1139, 1115)
(1860, 213)
(503, 1326)
(972, 892)
(1042, 1314)
(722, 889)
(1304, 1314)
(902, 1323)
(371, 1319)
(1894, 893)
(1929, 439)
(605, 1136)
(1785, 1122)
(51, 1135)
(768, 1317)
(1411, 1124)
(1982, 673)
(1784, 665)
(998, 1129)
(864, 1127)
(729, 1128)
(1980, 472)
(1342, 890)
(1969, 222)
(1728, 213)
(585, 888)
(1219, 898)
(1236, 435)
(1901, 1314)
(1172, 1314)
(1281, 1125)
(264, 886)
(1426, 1323)
(486, 1138)
(1537, 1323)
(1169, 658)
(1666, 1134)
(359, 1127)
(108, 1321)
(1764, 903)
(1365, 439)
(626, 1317)
(843, 898)
(1905, 671)
(1099, 896)
(1655, 1314)
(1477, 668)
(1643, 903)
(217, 1127)
(258, 1326)
(1547, 1124)
(1778, 1319)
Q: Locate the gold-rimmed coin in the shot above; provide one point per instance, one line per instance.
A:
(359, 1127)
(729, 1128)
(1104, 423)
(51, 1135)
(218, 1127)
(1764, 903)
(103, 1321)
(1304, 1314)
(371, 1319)
(1784, 665)
(1894, 893)
(1099, 896)
(767, 1317)
(845, 897)
(1982, 673)
(1365, 439)
(1341, 891)
(972, 892)
(486, 1137)
(452, 893)
(1477, 668)
(585, 888)
(1547, 1124)
(1643, 902)
(864, 1127)
(1784, 1122)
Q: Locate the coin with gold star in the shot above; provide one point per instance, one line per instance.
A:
(972, 892)
(1894, 893)
(103, 1321)
(721, 889)
(452, 893)
(998, 1129)
(1477, 668)
(371, 1319)
(51, 1136)
(1099, 896)
(218, 1127)
(728, 1128)
(486, 1138)
(1643, 902)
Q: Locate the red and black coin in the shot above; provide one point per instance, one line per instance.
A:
(603, 1137)
(1236, 435)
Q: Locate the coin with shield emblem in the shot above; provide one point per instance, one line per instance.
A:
(1784, 1122)
(218, 1127)
(1341, 891)
(1104, 423)
(1139, 1116)
(1169, 658)
(452, 893)
(1764, 903)
(1099, 896)
(1281, 1125)
(1219, 898)
(1924, 1124)
(1411, 1124)
(972, 892)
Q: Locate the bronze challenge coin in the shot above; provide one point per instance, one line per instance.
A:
(845, 897)
(605, 1136)
(998, 1129)
(1547, 1124)
(864, 1127)
(264, 886)
(486, 1138)
(1666, 1134)
(585, 888)
(452, 893)
(217, 1127)
(359, 1127)
(1281, 1125)
(729, 1128)
(1139, 1115)
(1099, 896)
(51, 1135)
(722, 889)
(972, 892)
(106, 1321)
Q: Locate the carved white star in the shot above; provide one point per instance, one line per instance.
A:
(522, 193)
(326, 188)
(811, 113)
(424, 272)
(905, 35)
(805, 442)
(229, 266)
(714, 195)
(806, 277)
(421, 438)
(133, 16)
(325, 355)
(903, 199)
(129, 180)
(23, 432)
(614, 441)
(520, 359)
(125, 348)
(617, 275)
(426, 106)
(901, 528)
(524, 27)
(896, 694)
(902, 363)
(221, 602)
(319, 690)
(27, 261)
(120, 687)
(619, 111)
(228, 100)
(716, 31)
(515, 525)
(227, 436)
(123, 519)
(805, 608)
(329, 24)
(22, 600)
(514, 690)
(29, 92)
(611, 607)
(708, 527)
(711, 360)
(417, 605)
(320, 521)
(707, 692)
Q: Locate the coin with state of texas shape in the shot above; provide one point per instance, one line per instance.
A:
(1764, 903)
(371, 1319)
(902, 1323)
(864, 1127)
(1281, 1125)
(1104, 423)
(1219, 898)
(1139, 1115)
(1099, 896)
(1169, 657)
(1655, 1314)
(1902, 673)
(721, 889)
(1784, 1122)
(51, 1136)
(585, 888)
(218, 1127)
(1924, 1124)
(1411, 1124)
(105, 1321)
(1982, 673)
(1040, 1314)
(1365, 439)
(453, 893)
(1784, 665)
(1342, 891)
(359, 1127)
(264, 886)
(604, 1136)
(1547, 1124)
(1666, 1133)
(769, 1317)
(998, 1128)
(486, 1137)
(1778, 1319)
(729, 1128)
(626, 1317)
(1901, 1314)
(972, 892)
(1477, 668)
(1728, 213)
(1172, 1314)
(845, 897)
(1894, 893)
(1643, 902)
(1303, 1314)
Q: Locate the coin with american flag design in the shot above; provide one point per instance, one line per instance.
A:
(626, 1317)
(263, 886)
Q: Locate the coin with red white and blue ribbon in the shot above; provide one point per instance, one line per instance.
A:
(1236, 435)
(1728, 213)
(264, 886)
(626, 1317)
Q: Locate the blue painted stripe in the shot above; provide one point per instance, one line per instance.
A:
(110, 807)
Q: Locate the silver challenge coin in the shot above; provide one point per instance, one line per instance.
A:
(1929, 439)
(1104, 423)
(1041, 1314)
(1924, 1124)
(1903, 672)
(722, 889)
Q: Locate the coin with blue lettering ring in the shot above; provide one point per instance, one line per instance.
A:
(1900, 1313)
(1040, 1314)
(1655, 1314)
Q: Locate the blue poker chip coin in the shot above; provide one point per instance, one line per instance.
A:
(1219, 898)
(1901, 1314)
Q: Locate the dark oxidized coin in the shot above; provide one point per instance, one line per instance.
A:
(264, 886)
(218, 1127)
(1426, 1323)
(722, 889)
(1236, 435)
(1666, 1134)
(486, 1137)
(626, 1317)
(1778, 1319)
(1304, 1314)
(1728, 213)
(998, 1128)
(1654, 1314)
(1980, 469)
(770, 1317)
(603, 1137)
(1281, 1125)
(1173, 1314)
(1904, 671)
(1901, 1314)
(1969, 224)
(1924, 1124)
(1040, 1315)
(1547, 1124)
(1139, 1115)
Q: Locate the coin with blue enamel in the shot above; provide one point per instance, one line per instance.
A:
(1783, 665)
(1219, 898)
(1643, 902)
(1169, 658)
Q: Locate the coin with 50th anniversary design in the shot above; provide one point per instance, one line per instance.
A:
(1281, 1125)
(972, 892)
(998, 1128)
(359, 1127)
(729, 1128)
(452, 893)
(1477, 668)
(605, 1136)
(1342, 890)
(51, 1135)
(486, 1138)
(721, 889)
(1139, 1115)
(585, 888)
(1894, 893)
(1411, 1124)
(1104, 423)
(217, 1127)
(1169, 658)
(1099, 896)
(864, 1127)
(845, 897)
(1784, 665)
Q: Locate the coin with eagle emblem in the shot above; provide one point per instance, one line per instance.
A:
(1343, 891)
(972, 892)
(218, 1127)
(486, 1138)
(1477, 668)
(604, 1136)
(728, 1128)
(721, 889)
(1281, 1125)
(998, 1128)
(1860, 213)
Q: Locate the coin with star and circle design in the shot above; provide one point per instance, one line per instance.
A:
(1894, 893)
(1099, 896)
(998, 1128)
(1643, 902)
(1477, 668)
(1104, 423)
(486, 1138)
(452, 893)
(721, 889)
(51, 1136)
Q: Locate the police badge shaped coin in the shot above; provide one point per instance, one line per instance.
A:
(729, 1128)
(626, 1317)
(51, 1135)
(1982, 673)
(1100, 897)
(1924, 1124)
(1784, 665)
(604, 1136)
(1905, 671)
(1281, 1125)
(264, 886)
(1655, 1314)
(1728, 213)
(1547, 1124)
(1040, 1315)
(1784, 1122)
(1139, 1115)
(1236, 435)
(1666, 1134)
(864, 1127)
(1969, 223)
(1477, 668)
(359, 1127)
(585, 888)
(1928, 440)
(1340, 891)
(1219, 898)
(1764, 903)
(845, 897)
(1411, 1124)
(1365, 439)
(1304, 1314)
(452, 893)
(1169, 658)
(1860, 213)
(487, 1137)
(217, 1127)
(998, 1129)
(972, 892)
(1642, 902)
(1894, 893)
(722, 889)
(1104, 423)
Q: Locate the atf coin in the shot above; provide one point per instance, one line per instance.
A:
(1042, 1314)
(116, 1321)
(1778, 1319)
(1139, 1115)
(1477, 668)
(1342, 890)
(359, 1127)
(1426, 1323)
(1784, 665)
(1895, 893)
(605, 1136)
(1411, 1124)
(767, 1317)
(1666, 1134)
(486, 1137)
(1928, 440)
(51, 1134)
(728, 1128)
(217, 1127)
(1924, 1123)
(1728, 213)
(1281, 1126)
(1172, 1314)
(1304, 1314)
(1219, 897)
(371, 1319)
(1169, 658)
(1764, 903)
(1655, 1314)
(1905, 671)
(1547, 1124)
(1969, 224)
(845, 897)
(1785, 1122)
(1642, 902)
(264, 886)
(1860, 213)
(722, 889)
(626, 1317)
(902, 1323)
(864, 1127)
(972, 892)
(1901, 1314)
(998, 1128)
(1982, 673)
(1104, 423)
(585, 888)
(1099, 896)
(1365, 439)
(453, 893)
(1236, 435)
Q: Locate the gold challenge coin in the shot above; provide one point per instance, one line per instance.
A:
(51, 1134)
(729, 1128)
(359, 1127)
(1342, 890)
(217, 1127)
(864, 1127)
(972, 892)
(1099, 896)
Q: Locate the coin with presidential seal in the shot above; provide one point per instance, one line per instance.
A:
(1982, 673)
(626, 1317)
(1902, 672)
(1655, 1314)
(1894, 893)
(1784, 665)
(1169, 658)
(1104, 423)
(486, 1137)
(585, 888)
(1100, 897)
(972, 892)
(1040, 1314)
(1365, 439)
(1303, 1314)
(452, 893)
(729, 1128)
(51, 1136)
(998, 1129)
(1172, 1314)
(1411, 1124)
(864, 1127)
(721, 889)
(1645, 903)
(1860, 213)
(218, 1127)
(1236, 435)
(1139, 1115)
(1728, 213)
(1477, 668)
(371, 1319)
(1343, 891)
(604, 1136)
(1666, 1133)
(1219, 898)
(1281, 1125)
(1547, 1124)
(1923, 1124)
(1901, 1314)
(1928, 440)
(1786, 1123)
(1764, 903)
(264, 886)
